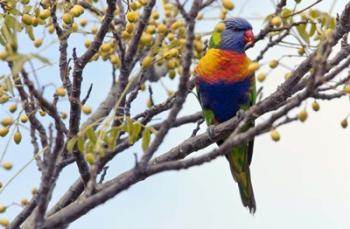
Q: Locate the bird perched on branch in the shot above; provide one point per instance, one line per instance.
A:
(226, 84)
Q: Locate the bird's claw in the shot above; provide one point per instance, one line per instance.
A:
(210, 131)
(240, 113)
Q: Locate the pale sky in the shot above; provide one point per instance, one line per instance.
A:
(301, 182)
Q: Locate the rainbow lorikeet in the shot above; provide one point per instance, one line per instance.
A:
(225, 84)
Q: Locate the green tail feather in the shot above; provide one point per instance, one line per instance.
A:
(241, 174)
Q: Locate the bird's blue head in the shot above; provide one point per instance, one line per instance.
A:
(237, 34)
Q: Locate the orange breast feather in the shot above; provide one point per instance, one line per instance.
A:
(221, 65)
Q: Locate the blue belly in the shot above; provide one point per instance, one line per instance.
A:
(223, 98)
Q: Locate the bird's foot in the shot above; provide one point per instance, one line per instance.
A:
(240, 113)
(210, 131)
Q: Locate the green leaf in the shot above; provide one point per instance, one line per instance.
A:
(312, 29)
(18, 63)
(42, 59)
(27, 9)
(90, 133)
(7, 84)
(2, 41)
(303, 34)
(332, 23)
(15, 12)
(29, 31)
(81, 141)
(129, 129)
(71, 143)
(112, 138)
(12, 23)
(146, 139)
(136, 131)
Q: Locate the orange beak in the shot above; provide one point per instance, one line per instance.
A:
(249, 37)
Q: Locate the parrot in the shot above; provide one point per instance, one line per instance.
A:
(226, 85)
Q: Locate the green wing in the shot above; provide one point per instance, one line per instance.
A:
(208, 115)
(240, 158)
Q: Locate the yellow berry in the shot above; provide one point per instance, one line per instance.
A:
(132, 16)
(4, 222)
(347, 88)
(134, 5)
(171, 64)
(143, 2)
(90, 158)
(155, 15)
(220, 27)
(301, 51)
(3, 55)
(77, 10)
(200, 17)
(44, 14)
(106, 47)
(287, 75)
(171, 37)
(147, 61)
(17, 137)
(151, 29)
(23, 118)
(315, 106)
(64, 115)
(87, 43)
(24, 202)
(126, 35)
(2, 208)
(94, 29)
(161, 28)
(172, 74)
(129, 27)
(4, 131)
(176, 25)
(67, 18)
(115, 60)
(314, 13)
(261, 77)
(7, 165)
(38, 42)
(60, 91)
(83, 22)
(4, 99)
(51, 28)
(86, 109)
(344, 123)
(302, 116)
(275, 135)
(228, 4)
(74, 27)
(170, 93)
(146, 39)
(173, 52)
(149, 103)
(27, 19)
(42, 113)
(7, 121)
(253, 66)
(276, 21)
(13, 108)
(198, 45)
(273, 63)
(35, 21)
(35, 191)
